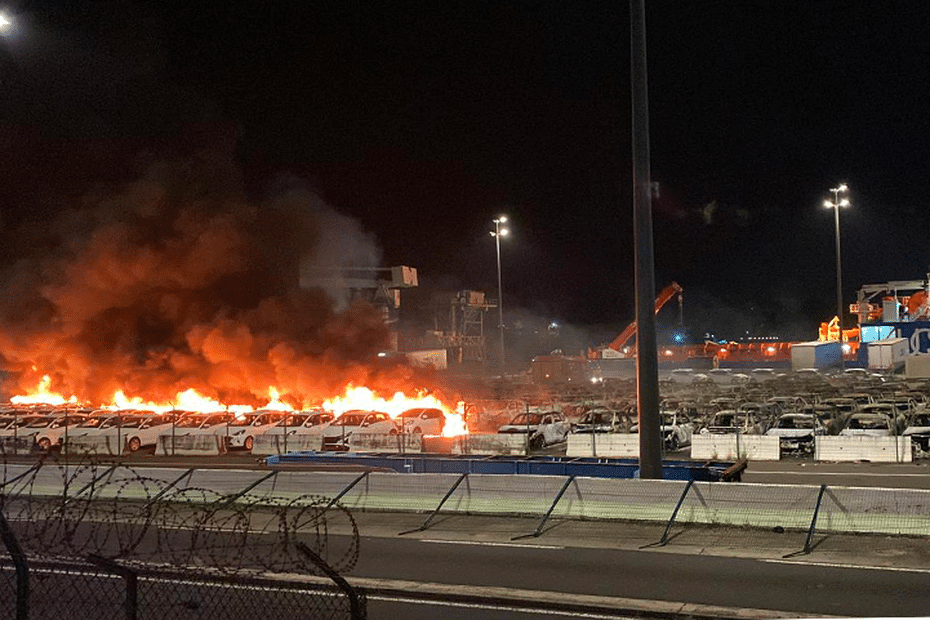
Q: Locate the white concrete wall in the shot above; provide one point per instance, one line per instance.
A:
(190, 445)
(383, 442)
(266, 444)
(874, 449)
(713, 447)
(617, 445)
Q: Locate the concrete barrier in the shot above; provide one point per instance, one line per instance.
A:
(16, 445)
(617, 445)
(874, 449)
(190, 445)
(93, 444)
(267, 444)
(384, 442)
(712, 447)
(477, 443)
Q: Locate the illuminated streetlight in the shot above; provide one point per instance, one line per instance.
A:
(497, 233)
(836, 204)
(5, 23)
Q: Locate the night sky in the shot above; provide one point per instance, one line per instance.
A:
(425, 123)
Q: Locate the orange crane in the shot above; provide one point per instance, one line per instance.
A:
(665, 295)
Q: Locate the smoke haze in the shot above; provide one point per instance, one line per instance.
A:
(176, 281)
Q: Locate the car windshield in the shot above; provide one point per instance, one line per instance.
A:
(244, 419)
(527, 419)
(189, 422)
(794, 422)
(596, 417)
(318, 418)
(132, 422)
(412, 413)
(349, 419)
(40, 422)
(922, 419)
(294, 419)
(267, 418)
(868, 422)
(94, 422)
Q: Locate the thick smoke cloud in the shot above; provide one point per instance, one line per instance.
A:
(176, 281)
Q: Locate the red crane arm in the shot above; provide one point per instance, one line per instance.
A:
(627, 334)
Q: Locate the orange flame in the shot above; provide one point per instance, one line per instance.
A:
(42, 395)
(191, 400)
(364, 398)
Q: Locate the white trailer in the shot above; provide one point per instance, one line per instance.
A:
(816, 354)
(889, 354)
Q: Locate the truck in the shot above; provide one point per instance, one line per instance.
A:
(817, 355)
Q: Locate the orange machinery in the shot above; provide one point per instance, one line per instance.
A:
(627, 334)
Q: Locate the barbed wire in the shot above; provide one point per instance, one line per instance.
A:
(114, 512)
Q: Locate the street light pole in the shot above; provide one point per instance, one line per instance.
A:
(835, 205)
(497, 233)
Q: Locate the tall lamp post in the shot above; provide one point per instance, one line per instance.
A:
(497, 233)
(836, 204)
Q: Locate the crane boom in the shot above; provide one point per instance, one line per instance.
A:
(664, 296)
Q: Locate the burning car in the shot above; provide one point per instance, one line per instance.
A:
(542, 429)
(336, 434)
(421, 420)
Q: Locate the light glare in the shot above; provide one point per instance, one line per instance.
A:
(5, 23)
(504, 232)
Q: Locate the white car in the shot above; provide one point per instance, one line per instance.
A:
(314, 424)
(422, 420)
(543, 429)
(17, 426)
(142, 431)
(336, 434)
(52, 434)
(796, 431)
(242, 431)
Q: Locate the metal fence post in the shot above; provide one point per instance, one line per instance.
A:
(132, 583)
(808, 547)
(357, 604)
(21, 566)
(664, 540)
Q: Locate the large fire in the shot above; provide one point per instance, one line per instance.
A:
(354, 398)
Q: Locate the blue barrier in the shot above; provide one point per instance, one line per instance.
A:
(589, 467)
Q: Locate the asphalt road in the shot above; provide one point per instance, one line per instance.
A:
(554, 569)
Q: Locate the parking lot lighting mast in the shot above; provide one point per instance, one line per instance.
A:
(647, 359)
(497, 233)
(838, 202)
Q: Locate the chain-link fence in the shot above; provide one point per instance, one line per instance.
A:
(105, 542)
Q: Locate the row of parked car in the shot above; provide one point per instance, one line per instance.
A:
(791, 418)
(49, 428)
